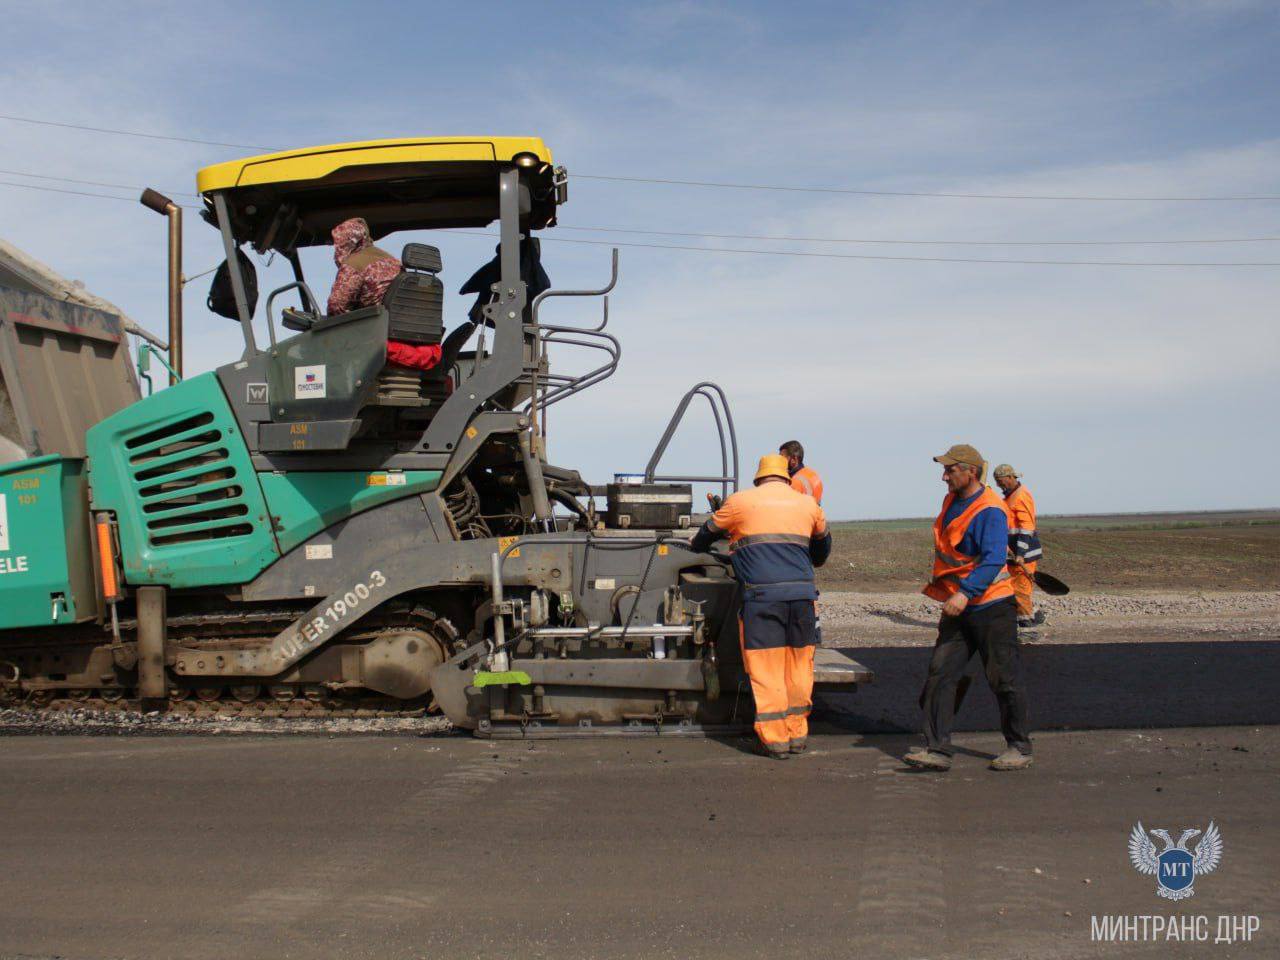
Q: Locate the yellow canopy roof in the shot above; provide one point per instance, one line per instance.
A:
(315, 163)
(292, 199)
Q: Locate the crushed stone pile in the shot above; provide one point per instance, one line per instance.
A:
(842, 605)
(878, 618)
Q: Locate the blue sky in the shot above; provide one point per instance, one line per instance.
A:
(1111, 388)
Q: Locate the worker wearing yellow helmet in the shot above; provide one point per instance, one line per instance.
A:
(777, 536)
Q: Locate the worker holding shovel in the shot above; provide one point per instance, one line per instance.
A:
(971, 581)
(1024, 542)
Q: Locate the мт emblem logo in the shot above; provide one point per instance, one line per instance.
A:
(1175, 867)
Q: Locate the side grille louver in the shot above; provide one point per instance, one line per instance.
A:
(185, 483)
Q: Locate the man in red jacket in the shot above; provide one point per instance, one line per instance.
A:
(365, 272)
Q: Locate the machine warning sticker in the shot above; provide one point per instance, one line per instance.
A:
(320, 551)
(386, 480)
(309, 382)
(255, 393)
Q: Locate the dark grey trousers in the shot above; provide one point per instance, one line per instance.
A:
(991, 633)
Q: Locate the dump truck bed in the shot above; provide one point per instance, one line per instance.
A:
(63, 368)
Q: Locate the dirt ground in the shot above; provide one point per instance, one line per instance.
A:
(1173, 552)
(910, 619)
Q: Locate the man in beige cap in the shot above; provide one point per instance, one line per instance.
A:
(1024, 542)
(971, 581)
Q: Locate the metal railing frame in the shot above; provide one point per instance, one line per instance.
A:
(711, 392)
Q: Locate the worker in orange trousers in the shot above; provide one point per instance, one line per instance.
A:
(1024, 542)
(777, 536)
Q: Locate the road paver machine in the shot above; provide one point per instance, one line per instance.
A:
(307, 530)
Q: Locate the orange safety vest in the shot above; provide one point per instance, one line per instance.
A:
(950, 566)
(1022, 510)
(1023, 539)
(806, 480)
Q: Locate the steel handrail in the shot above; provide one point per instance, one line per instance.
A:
(541, 340)
(711, 392)
(302, 288)
(571, 385)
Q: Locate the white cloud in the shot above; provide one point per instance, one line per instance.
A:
(874, 365)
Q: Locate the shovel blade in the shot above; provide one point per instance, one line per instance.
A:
(1051, 584)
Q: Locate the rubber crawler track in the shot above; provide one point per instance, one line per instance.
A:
(240, 630)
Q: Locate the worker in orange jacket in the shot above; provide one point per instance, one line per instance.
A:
(1024, 542)
(776, 536)
(805, 479)
(971, 581)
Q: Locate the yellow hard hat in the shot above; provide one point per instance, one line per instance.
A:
(772, 465)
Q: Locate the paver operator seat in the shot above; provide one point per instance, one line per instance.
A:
(414, 307)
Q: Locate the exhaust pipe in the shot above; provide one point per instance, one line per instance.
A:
(153, 200)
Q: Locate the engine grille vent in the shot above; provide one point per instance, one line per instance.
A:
(186, 484)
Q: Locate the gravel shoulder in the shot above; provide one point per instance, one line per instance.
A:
(1107, 555)
(909, 619)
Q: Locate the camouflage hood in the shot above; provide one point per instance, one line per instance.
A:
(348, 237)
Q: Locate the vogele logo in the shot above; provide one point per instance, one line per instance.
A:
(1175, 867)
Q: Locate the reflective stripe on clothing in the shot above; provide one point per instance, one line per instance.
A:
(799, 679)
(795, 538)
(777, 643)
(772, 530)
(789, 712)
(957, 577)
(806, 480)
(950, 564)
(1024, 542)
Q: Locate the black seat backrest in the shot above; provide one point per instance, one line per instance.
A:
(415, 299)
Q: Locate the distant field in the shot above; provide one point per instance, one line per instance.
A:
(1238, 550)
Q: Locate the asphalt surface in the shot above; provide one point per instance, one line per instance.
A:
(1085, 686)
(441, 847)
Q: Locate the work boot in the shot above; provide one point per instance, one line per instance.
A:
(1011, 759)
(1037, 620)
(773, 753)
(923, 759)
(800, 745)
